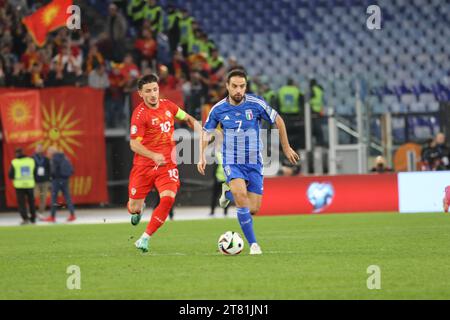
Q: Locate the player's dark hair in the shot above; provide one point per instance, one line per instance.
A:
(150, 78)
(236, 73)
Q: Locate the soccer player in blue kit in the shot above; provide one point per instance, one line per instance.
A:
(240, 116)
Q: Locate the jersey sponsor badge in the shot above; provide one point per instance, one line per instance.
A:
(248, 114)
(169, 114)
(226, 118)
(133, 129)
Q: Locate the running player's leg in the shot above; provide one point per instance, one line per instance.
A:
(141, 183)
(255, 188)
(255, 202)
(161, 212)
(167, 184)
(239, 189)
(254, 191)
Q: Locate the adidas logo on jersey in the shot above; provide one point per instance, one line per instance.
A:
(226, 118)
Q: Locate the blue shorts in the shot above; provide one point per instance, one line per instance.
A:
(251, 173)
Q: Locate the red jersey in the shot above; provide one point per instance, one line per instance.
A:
(154, 129)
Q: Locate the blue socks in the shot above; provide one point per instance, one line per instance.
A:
(229, 196)
(246, 222)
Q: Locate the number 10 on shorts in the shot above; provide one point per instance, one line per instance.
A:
(173, 174)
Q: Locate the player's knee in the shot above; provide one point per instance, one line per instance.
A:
(254, 210)
(167, 202)
(240, 198)
(134, 207)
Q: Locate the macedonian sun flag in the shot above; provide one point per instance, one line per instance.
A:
(46, 19)
(21, 116)
(72, 120)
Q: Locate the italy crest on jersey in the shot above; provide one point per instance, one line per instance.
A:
(248, 114)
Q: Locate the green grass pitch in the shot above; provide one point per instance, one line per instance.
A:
(305, 257)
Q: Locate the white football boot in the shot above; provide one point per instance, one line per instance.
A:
(223, 201)
(255, 249)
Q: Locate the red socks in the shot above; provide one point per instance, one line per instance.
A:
(160, 214)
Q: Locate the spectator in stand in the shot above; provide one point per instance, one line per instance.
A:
(199, 87)
(8, 59)
(94, 58)
(433, 156)
(61, 39)
(19, 77)
(42, 177)
(174, 17)
(68, 59)
(179, 67)
(166, 80)
(36, 77)
(45, 59)
(116, 30)
(380, 165)
(20, 39)
(98, 78)
(146, 47)
(114, 95)
(443, 150)
(30, 56)
(61, 171)
(129, 69)
(217, 65)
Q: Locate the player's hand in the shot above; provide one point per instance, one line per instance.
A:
(291, 155)
(201, 165)
(159, 159)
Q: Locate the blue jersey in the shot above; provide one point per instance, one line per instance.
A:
(241, 128)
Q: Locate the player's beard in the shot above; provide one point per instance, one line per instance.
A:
(237, 98)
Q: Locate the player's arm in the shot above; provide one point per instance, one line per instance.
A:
(190, 120)
(205, 138)
(290, 154)
(137, 147)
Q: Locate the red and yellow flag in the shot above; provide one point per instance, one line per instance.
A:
(73, 121)
(48, 18)
(21, 116)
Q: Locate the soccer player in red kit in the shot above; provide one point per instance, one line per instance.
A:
(154, 165)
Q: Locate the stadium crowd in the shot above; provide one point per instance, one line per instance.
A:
(138, 37)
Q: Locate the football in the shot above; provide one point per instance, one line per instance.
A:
(231, 243)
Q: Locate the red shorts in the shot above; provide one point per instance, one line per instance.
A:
(144, 178)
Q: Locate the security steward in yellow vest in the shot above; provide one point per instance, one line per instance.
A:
(174, 17)
(317, 114)
(154, 13)
(23, 172)
(291, 106)
(136, 10)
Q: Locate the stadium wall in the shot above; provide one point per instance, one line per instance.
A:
(403, 192)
